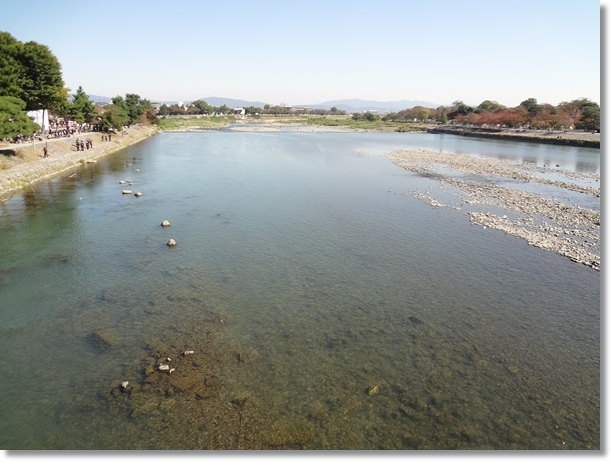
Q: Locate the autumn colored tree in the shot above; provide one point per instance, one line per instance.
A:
(149, 117)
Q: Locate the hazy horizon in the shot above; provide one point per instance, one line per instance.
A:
(438, 51)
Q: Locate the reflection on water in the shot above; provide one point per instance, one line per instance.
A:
(569, 158)
(324, 308)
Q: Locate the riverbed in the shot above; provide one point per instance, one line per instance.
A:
(312, 301)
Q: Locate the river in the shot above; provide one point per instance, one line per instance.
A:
(326, 307)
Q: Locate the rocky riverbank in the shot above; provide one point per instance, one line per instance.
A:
(21, 165)
(568, 230)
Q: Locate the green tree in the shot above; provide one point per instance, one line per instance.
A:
(489, 106)
(13, 119)
(164, 110)
(121, 108)
(531, 105)
(203, 107)
(441, 116)
(460, 109)
(135, 107)
(82, 108)
(30, 72)
(42, 85)
(10, 68)
(589, 114)
(113, 117)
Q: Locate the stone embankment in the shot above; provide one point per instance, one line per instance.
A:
(569, 230)
(23, 164)
(560, 137)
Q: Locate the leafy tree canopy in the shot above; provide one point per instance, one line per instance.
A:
(82, 109)
(13, 119)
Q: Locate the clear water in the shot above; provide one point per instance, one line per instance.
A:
(349, 316)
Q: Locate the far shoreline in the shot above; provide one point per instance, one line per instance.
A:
(30, 167)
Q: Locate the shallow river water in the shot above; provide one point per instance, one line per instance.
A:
(327, 308)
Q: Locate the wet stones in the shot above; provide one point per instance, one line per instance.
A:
(543, 223)
(373, 390)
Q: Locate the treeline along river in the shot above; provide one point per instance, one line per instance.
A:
(312, 301)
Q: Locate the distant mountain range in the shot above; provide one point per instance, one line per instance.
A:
(360, 105)
(348, 105)
(229, 102)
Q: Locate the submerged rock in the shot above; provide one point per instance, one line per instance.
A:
(101, 339)
(373, 390)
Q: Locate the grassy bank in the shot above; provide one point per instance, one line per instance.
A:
(378, 124)
(183, 123)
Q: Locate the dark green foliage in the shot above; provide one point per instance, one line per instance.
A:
(114, 117)
(10, 67)
(531, 104)
(82, 109)
(135, 107)
(13, 119)
(41, 79)
(590, 114)
(203, 107)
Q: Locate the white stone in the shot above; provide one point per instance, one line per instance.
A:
(164, 367)
(187, 353)
(126, 191)
(165, 223)
(171, 242)
(138, 194)
(125, 384)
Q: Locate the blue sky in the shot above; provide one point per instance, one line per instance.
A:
(308, 52)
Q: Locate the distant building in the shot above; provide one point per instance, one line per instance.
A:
(156, 106)
(239, 111)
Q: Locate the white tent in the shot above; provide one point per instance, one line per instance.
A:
(41, 117)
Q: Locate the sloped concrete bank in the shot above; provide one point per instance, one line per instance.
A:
(28, 166)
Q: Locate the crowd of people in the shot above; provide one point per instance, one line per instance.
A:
(81, 146)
